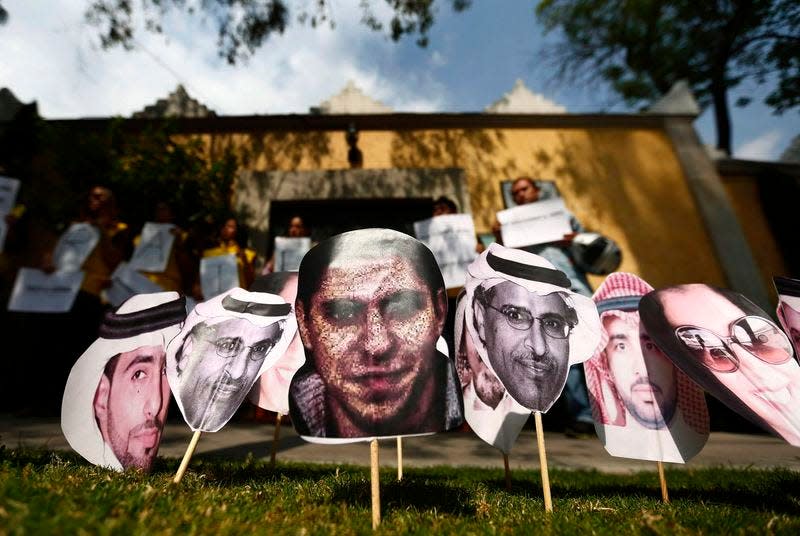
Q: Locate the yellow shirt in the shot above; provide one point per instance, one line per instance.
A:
(98, 269)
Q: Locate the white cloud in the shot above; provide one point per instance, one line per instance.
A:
(438, 59)
(764, 147)
(52, 56)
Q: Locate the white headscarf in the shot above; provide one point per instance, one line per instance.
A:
(234, 303)
(162, 314)
(499, 264)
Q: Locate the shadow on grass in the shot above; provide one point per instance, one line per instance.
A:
(408, 494)
(240, 452)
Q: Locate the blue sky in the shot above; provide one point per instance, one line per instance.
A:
(50, 55)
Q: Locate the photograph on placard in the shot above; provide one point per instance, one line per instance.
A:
(371, 305)
(271, 391)
(154, 247)
(224, 346)
(789, 309)
(127, 282)
(494, 417)
(731, 348)
(527, 326)
(74, 246)
(289, 251)
(451, 238)
(643, 407)
(218, 274)
(35, 291)
(117, 395)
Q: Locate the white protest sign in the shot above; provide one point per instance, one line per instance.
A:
(534, 223)
(74, 246)
(218, 274)
(155, 245)
(37, 292)
(127, 282)
(451, 238)
(289, 252)
(8, 194)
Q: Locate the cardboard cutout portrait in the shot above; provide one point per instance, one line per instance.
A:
(224, 346)
(527, 327)
(789, 309)
(643, 407)
(117, 395)
(371, 305)
(495, 417)
(271, 391)
(732, 349)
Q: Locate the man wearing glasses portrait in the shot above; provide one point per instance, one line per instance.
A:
(527, 325)
(528, 338)
(732, 349)
(226, 344)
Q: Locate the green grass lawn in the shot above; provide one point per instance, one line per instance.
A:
(43, 492)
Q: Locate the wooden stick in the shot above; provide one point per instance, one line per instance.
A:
(548, 502)
(399, 459)
(663, 479)
(508, 472)
(275, 438)
(187, 457)
(376, 484)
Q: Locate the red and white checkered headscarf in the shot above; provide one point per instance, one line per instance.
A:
(613, 291)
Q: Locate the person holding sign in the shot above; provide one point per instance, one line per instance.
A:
(111, 246)
(597, 255)
(116, 398)
(370, 307)
(732, 349)
(643, 407)
(161, 254)
(289, 249)
(228, 245)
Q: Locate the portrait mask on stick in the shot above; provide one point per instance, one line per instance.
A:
(225, 345)
(117, 395)
(732, 349)
(371, 305)
(527, 328)
(643, 407)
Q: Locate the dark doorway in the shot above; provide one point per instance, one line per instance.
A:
(328, 217)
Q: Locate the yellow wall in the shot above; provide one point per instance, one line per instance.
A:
(626, 183)
(744, 195)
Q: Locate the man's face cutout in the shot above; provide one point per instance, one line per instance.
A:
(526, 336)
(732, 349)
(369, 320)
(218, 364)
(642, 376)
(130, 405)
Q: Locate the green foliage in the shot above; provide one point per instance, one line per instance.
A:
(59, 162)
(642, 47)
(243, 26)
(43, 492)
(150, 166)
